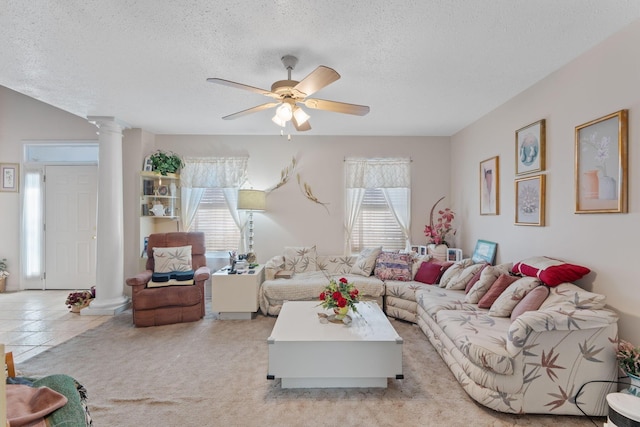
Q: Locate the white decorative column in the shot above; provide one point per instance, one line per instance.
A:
(110, 299)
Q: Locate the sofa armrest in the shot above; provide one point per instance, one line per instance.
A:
(140, 279)
(272, 266)
(564, 317)
(201, 274)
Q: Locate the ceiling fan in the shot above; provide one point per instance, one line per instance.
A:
(290, 94)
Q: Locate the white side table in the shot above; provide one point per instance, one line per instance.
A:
(235, 296)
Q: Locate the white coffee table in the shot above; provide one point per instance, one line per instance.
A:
(305, 353)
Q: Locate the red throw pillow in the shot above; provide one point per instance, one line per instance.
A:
(496, 289)
(474, 279)
(429, 273)
(531, 302)
(550, 271)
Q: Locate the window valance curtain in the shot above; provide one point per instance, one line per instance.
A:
(200, 173)
(378, 173)
(213, 172)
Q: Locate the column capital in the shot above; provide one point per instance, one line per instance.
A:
(108, 122)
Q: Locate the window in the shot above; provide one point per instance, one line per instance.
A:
(376, 224)
(377, 204)
(214, 219)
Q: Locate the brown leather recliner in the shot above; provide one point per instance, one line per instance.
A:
(170, 304)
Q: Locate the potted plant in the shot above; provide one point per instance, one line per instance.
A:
(3, 274)
(165, 162)
(78, 300)
(628, 357)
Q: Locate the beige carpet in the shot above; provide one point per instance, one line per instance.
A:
(213, 373)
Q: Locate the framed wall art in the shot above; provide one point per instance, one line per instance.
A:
(9, 174)
(530, 196)
(485, 251)
(530, 148)
(601, 164)
(489, 186)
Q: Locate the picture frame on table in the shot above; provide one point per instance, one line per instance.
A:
(531, 148)
(530, 200)
(415, 249)
(454, 254)
(10, 177)
(490, 186)
(601, 164)
(485, 251)
(422, 250)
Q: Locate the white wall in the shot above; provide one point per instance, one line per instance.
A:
(293, 220)
(602, 81)
(23, 118)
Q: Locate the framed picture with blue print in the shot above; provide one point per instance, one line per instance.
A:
(484, 251)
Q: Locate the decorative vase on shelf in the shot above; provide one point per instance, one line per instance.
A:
(634, 386)
(158, 209)
(607, 188)
(341, 313)
(591, 186)
(172, 189)
(437, 252)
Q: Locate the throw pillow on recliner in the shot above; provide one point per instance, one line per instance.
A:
(167, 260)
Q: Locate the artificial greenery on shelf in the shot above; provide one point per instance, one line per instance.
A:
(165, 162)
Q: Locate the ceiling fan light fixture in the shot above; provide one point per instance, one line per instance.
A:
(284, 112)
(300, 115)
(277, 120)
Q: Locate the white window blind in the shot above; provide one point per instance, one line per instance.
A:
(376, 225)
(214, 219)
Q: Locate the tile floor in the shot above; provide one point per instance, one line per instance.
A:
(34, 321)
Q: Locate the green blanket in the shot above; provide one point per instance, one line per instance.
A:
(75, 413)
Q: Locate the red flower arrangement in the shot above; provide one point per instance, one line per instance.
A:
(437, 232)
(339, 294)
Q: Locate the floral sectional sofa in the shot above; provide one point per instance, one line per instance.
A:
(514, 343)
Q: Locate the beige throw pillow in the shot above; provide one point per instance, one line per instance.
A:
(166, 260)
(510, 297)
(454, 271)
(463, 277)
(366, 261)
(300, 258)
(489, 275)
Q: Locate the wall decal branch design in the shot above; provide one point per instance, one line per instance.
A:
(308, 193)
(285, 175)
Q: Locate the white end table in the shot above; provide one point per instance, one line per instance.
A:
(235, 296)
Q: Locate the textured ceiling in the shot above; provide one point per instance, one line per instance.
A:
(425, 67)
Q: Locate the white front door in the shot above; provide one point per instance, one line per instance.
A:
(70, 221)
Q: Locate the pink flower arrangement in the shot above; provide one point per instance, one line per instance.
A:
(437, 231)
(628, 358)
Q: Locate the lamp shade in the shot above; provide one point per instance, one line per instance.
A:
(252, 200)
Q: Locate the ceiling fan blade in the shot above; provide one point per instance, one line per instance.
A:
(243, 87)
(319, 78)
(301, 127)
(337, 107)
(251, 110)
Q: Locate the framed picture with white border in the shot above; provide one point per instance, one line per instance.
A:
(454, 254)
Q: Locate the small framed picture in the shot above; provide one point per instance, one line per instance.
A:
(454, 254)
(484, 251)
(490, 186)
(415, 249)
(530, 195)
(148, 164)
(530, 148)
(9, 173)
(422, 250)
(163, 190)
